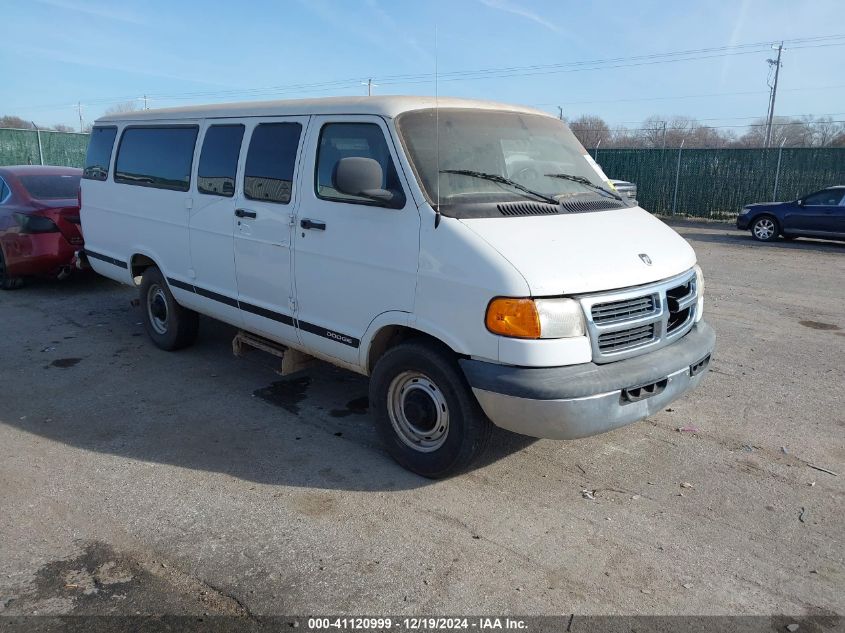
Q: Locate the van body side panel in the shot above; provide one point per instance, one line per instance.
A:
(459, 275)
(121, 220)
(362, 264)
(211, 224)
(263, 230)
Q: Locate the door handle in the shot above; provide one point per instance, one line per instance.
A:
(316, 225)
(244, 213)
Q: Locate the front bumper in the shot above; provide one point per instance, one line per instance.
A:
(580, 400)
(742, 222)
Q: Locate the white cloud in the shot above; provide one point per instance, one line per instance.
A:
(517, 9)
(95, 10)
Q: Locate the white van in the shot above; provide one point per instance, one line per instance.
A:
(470, 257)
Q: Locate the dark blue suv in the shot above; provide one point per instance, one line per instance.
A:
(820, 214)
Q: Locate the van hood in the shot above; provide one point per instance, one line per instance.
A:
(587, 252)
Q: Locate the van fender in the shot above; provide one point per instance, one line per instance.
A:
(408, 320)
(140, 250)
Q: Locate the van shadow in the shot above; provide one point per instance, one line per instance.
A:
(743, 238)
(108, 390)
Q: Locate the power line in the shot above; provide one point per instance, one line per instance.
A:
(505, 72)
(694, 96)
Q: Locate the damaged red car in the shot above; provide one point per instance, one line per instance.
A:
(39, 222)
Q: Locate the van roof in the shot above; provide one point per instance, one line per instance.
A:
(387, 106)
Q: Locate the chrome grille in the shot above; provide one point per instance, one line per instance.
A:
(626, 339)
(623, 310)
(628, 322)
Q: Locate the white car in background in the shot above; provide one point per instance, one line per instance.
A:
(625, 188)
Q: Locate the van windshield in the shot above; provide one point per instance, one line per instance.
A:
(489, 156)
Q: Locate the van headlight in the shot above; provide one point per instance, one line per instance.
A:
(699, 287)
(535, 318)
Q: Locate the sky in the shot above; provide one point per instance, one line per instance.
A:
(64, 52)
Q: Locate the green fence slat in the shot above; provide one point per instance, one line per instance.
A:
(20, 147)
(716, 183)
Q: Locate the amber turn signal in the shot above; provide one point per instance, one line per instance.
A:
(513, 317)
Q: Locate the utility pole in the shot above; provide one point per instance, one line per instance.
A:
(40, 148)
(145, 102)
(79, 111)
(773, 94)
(560, 113)
(370, 85)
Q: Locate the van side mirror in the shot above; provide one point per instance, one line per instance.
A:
(359, 176)
(800, 202)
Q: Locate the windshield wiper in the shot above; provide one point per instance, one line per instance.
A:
(587, 183)
(501, 180)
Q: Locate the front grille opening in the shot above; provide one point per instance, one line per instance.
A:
(626, 339)
(677, 319)
(633, 394)
(675, 295)
(700, 366)
(628, 309)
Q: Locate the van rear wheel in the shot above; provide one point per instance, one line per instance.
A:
(169, 325)
(425, 411)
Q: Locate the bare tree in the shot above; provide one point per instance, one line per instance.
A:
(652, 132)
(61, 127)
(122, 108)
(825, 130)
(590, 130)
(15, 122)
(786, 131)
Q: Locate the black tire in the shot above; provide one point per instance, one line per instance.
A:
(415, 381)
(6, 282)
(169, 325)
(765, 228)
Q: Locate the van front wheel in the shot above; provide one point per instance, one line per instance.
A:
(425, 412)
(169, 325)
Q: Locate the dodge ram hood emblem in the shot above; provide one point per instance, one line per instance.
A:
(646, 259)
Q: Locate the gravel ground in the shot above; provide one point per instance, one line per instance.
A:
(137, 481)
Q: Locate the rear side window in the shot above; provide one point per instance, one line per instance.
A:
(55, 187)
(268, 174)
(99, 153)
(219, 160)
(159, 157)
(366, 140)
(826, 198)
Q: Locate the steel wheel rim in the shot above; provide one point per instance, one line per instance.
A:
(764, 228)
(418, 411)
(157, 308)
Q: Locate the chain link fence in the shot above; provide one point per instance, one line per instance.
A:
(716, 183)
(706, 183)
(42, 147)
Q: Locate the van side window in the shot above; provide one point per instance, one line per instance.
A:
(268, 175)
(366, 140)
(98, 157)
(159, 157)
(219, 160)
